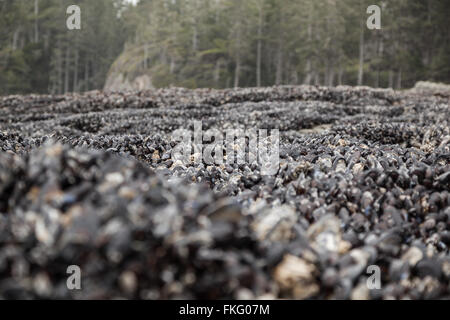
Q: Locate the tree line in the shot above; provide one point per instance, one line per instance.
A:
(39, 54)
(222, 43)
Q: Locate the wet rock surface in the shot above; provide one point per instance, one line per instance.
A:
(89, 180)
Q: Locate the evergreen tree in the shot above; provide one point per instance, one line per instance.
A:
(221, 43)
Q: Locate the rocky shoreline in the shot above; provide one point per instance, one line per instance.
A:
(89, 180)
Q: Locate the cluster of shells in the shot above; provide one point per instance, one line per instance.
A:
(90, 180)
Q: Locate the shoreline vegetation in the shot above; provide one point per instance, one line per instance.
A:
(220, 44)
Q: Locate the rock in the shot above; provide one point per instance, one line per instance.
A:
(413, 256)
(297, 277)
(97, 179)
(325, 234)
(128, 282)
(428, 267)
(275, 224)
(360, 292)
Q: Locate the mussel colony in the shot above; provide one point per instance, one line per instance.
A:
(89, 180)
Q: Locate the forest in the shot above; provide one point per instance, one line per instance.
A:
(221, 44)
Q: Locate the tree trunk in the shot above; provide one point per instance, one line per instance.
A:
(66, 71)
(36, 14)
(172, 65)
(15, 38)
(391, 79)
(316, 79)
(380, 52)
(217, 73)
(279, 72)
(331, 78)
(195, 39)
(237, 71)
(57, 80)
(145, 56)
(60, 70)
(295, 77)
(47, 41)
(399, 79)
(427, 60)
(86, 75)
(340, 75)
(361, 56)
(308, 76)
(75, 72)
(259, 48)
(308, 69)
(377, 78)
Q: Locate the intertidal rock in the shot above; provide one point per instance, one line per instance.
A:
(362, 179)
